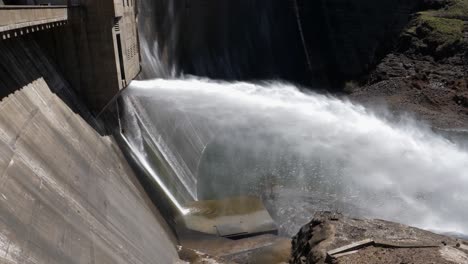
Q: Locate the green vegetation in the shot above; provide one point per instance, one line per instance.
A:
(456, 9)
(440, 30)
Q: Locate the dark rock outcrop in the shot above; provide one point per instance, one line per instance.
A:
(427, 72)
(347, 38)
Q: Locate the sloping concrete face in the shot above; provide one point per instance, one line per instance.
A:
(67, 195)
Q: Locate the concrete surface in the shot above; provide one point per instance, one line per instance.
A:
(104, 40)
(125, 14)
(231, 217)
(67, 195)
(97, 52)
(260, 249)
(30, 18)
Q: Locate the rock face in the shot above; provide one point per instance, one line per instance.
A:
(427, 72)
(329, 238)
(346, 38)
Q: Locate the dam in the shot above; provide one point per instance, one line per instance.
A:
(68, 193)
(141, 131)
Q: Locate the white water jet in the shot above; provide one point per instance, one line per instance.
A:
(155, 176)
(396, 170)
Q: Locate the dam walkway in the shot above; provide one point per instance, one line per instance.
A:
(16, 20)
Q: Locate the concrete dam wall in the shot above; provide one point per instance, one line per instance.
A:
(67, 195)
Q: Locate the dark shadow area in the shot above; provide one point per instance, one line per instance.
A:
(346, 39)
(231, 40)
(261, 39)
(242, 40)
(13, 65)
(22, 61)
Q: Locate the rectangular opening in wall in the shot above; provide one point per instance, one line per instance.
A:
(121, 62)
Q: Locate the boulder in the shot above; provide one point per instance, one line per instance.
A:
(334, 238)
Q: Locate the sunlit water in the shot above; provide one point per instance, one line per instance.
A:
(300, 152)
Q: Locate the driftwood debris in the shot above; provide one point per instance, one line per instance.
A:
(354, 247)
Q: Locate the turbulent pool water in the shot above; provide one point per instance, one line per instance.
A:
(299, 151)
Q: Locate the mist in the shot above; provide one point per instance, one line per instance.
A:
(302, 151)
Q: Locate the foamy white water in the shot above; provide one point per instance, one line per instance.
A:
(395, 170)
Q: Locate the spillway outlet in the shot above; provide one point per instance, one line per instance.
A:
(233, 218)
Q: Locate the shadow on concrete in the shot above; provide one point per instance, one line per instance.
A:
(23, 61)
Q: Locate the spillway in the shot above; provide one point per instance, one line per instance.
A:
(300, 151)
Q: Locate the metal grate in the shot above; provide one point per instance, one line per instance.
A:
(117, 25)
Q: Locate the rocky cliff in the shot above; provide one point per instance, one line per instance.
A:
(426, 72)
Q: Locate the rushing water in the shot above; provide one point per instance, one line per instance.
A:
(300, 151)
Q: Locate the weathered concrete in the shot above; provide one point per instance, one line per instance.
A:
(97, 52)
(104, 41)
(126, 30)
(67, 194)
(253, 250)
(30, 18)
(233, 217)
